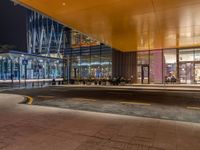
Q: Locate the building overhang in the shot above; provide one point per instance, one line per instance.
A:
(128, 25)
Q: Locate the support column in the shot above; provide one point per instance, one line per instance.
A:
(125, 65)
(177, 66)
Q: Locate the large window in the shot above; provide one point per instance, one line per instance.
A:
(75, 67)
(95, 62)
(197, 55)
(186, 55)
(170, 63)
(12, 66)
(92, 62)
(80, 40)
(156, 75)
(85, 66)
(164, 66)
(186, 65)
(106, 65)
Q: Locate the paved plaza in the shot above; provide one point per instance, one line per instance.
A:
(31, 127)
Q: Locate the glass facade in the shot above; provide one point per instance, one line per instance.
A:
(19, 66)
(169, 66)
(94, 62)
(46, 42)
(156, 75)
(170, 63)
(46, 37)
(81, 40)
(49, 45)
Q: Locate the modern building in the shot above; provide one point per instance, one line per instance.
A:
(15, 65)
(157, 44)
(43, 59)
(87, 58)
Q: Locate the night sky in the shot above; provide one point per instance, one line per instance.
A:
(12, 25)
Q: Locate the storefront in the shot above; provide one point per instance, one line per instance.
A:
(16, 65)
(181, 66)
(93, 62)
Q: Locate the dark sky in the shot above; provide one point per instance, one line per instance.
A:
(12, 24)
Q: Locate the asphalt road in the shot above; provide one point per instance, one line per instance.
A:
(170, 105)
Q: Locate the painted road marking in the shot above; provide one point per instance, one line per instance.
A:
(194, 108)
(135, 103)
(30, 100)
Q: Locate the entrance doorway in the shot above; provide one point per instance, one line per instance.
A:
(186, 73)
(145, 74)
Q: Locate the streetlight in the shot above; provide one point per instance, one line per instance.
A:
(25, 63)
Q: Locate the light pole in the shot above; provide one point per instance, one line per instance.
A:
(25, 63)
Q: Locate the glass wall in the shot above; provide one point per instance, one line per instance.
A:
(85, 65)
(156, 75)
(25, 66)
(80, 40)
(169, 66)
(45, 36)
(197, 65)
(106, 64)
(186, 65)
(93, 62)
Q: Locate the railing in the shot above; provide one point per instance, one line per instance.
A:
(8, 84)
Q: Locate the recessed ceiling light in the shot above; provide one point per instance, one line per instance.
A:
(63, 3)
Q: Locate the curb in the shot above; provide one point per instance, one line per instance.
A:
(29, 100)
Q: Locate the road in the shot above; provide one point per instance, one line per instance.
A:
(170, 105)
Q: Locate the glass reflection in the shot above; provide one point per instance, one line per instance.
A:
(156, 66)
(170, 64)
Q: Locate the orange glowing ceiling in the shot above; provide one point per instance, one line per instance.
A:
(128, 24)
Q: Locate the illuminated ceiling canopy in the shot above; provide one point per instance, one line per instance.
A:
(128, 24)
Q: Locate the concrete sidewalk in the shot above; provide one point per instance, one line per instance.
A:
(25, 127)
(146, 87)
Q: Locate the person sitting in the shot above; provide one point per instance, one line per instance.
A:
(173, 79)
(167, 79)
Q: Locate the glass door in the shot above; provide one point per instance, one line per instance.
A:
(186, 73)
(145, 74)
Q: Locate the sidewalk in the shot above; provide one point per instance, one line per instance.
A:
(160, 87)
(25, 127)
